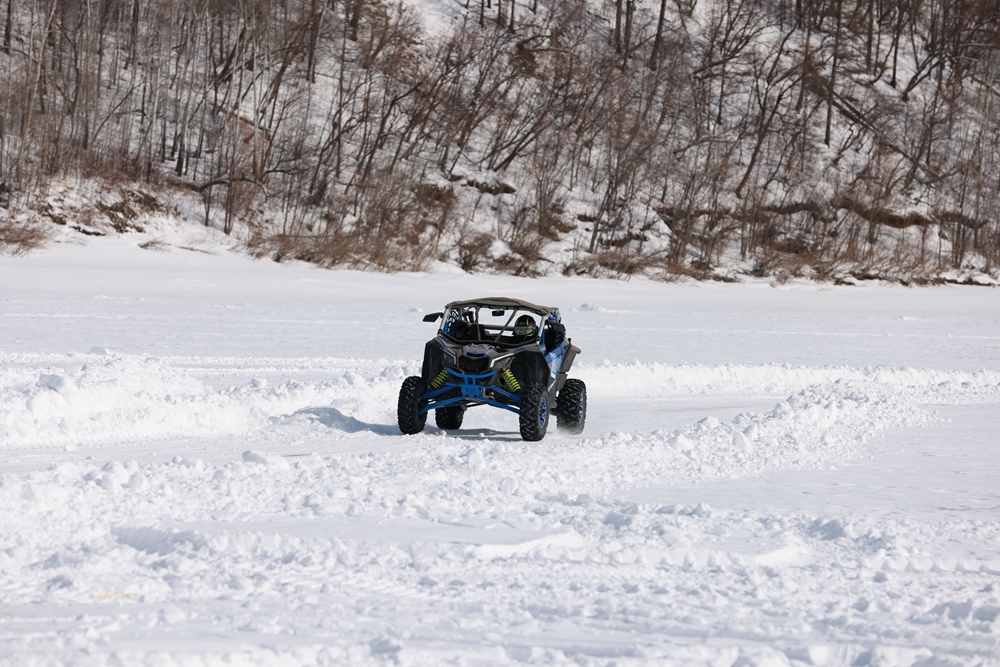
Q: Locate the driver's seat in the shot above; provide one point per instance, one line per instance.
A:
(468, 331)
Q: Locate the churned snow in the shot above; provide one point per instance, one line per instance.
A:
(199, 464)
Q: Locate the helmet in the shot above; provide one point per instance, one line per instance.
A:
(525, 327)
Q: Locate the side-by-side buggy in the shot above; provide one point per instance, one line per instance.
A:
(496, 351)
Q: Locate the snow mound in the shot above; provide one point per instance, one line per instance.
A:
(129, 398)
(655, 379)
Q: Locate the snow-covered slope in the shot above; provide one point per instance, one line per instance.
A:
(199, 465)
(715, 139)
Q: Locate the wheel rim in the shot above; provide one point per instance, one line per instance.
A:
(580, 409)
(543, 413)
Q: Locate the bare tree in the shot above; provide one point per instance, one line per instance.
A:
(654, 57)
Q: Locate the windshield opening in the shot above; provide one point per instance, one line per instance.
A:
(501, 327)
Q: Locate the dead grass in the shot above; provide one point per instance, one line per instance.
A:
(619, 264)
(20, 236)
(472, 251)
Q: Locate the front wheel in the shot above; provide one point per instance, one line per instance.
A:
(534, 414)
(572, 404)
(408, 409)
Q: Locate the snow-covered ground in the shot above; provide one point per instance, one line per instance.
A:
(200, 465)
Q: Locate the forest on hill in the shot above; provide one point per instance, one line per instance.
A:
(708, 138)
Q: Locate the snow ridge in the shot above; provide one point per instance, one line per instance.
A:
(129, 397)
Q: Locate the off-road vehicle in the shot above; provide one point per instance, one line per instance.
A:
(501, 352)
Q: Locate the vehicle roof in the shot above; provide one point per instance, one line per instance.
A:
(502, 302)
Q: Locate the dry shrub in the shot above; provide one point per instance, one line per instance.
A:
(516, 265)
(327, 250)
(619, 264)
(122, 214)
(472, 250)
(154, 244)
(381, 228)
(430, 195)
(20, 236)
(548, 172)
(388, 230)
(517, 226)
(438, 207)
(116, 171)
(100, 205)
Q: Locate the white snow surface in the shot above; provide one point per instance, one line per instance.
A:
(199, 465)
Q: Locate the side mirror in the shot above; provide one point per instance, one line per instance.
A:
(432, 317)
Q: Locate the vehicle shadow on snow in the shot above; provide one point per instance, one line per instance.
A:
(334, 418)
(501, 436)
(477, 434)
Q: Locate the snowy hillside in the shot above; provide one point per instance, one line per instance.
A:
(199, 464)
(838, 140)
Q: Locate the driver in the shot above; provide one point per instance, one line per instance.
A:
(524, 328)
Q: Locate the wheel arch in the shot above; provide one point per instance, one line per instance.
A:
(530, 367)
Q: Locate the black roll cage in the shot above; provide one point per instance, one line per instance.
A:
(468, 329)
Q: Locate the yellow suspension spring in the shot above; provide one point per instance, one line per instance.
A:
(511, 381)
(438, 382)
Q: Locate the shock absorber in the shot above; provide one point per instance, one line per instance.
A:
(510, 380)
(438, 382)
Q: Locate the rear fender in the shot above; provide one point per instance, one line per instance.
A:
(570, 357)
(566, 365)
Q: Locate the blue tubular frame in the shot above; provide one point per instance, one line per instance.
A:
(471, 391)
